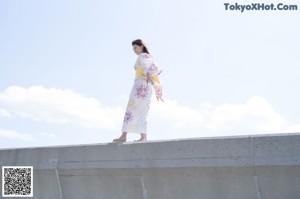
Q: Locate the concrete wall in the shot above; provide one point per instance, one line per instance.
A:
(241, 167)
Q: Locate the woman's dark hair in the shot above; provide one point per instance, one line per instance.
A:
(140, 42)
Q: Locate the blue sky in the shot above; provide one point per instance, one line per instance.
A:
(66, 70)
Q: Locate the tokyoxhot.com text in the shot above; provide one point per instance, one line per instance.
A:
(259, 6)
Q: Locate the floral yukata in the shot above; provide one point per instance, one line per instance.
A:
(135, 119)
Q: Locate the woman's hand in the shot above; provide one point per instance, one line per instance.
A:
(149, 80)
(159, 72)
(159, 98)
(158, 92)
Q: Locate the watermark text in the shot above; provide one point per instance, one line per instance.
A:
(260, 6)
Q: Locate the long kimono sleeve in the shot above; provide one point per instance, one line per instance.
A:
(148, 65)
(144, 62)
(153, 70)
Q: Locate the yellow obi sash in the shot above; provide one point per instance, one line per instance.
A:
(139, 72)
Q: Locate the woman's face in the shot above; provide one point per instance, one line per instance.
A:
(137, 49)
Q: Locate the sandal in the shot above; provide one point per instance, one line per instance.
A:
(118, 140)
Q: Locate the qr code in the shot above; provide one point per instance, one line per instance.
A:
(17, 181)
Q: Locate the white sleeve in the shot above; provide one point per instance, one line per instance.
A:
(145, 62)
(148, 65)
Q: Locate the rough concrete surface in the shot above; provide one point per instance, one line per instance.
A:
(233, 167)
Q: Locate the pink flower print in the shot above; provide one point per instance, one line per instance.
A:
(158, 90)
(128, 117)
(152, 68)
(142, 91)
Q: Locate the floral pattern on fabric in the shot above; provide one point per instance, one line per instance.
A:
(128, 117)
(142, 91)
(153, 68)
(158, 90)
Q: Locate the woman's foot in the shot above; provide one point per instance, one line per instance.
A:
(143, 137)
(122, 138)
(119, 140)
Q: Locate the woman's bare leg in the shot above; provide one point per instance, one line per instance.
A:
(143, 137)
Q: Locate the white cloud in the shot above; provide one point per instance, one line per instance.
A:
(292, 128)
(180, 115)
(255, 114)
(4, 113)
(15, 135)
(50, 135)
(65, 106)
(60, 106)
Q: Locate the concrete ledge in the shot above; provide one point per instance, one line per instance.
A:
(244, 167)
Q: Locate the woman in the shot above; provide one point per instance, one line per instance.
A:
(146, 77)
